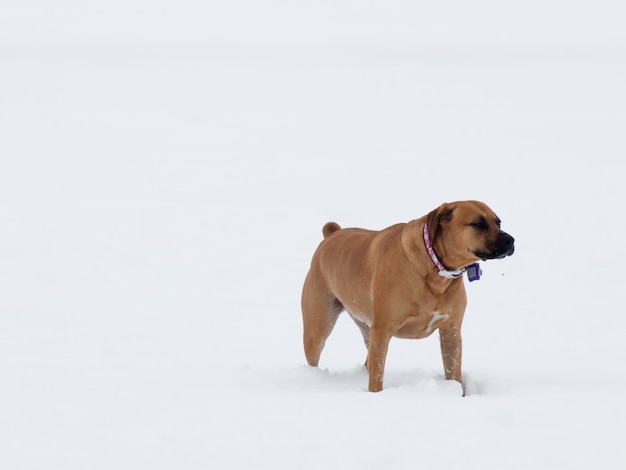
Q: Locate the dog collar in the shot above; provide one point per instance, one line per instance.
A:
(443, 272)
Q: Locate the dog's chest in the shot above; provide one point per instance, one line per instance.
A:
(422, 325)
(434, 319)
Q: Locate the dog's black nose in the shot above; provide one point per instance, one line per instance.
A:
(507, 244)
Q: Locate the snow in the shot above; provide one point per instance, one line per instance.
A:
(165, 172)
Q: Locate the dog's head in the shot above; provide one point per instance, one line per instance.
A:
(467, 231)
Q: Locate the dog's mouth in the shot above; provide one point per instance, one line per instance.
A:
(504, 246)
(485, 256)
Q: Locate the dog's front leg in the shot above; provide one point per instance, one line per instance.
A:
(377, 354)
(451, 351)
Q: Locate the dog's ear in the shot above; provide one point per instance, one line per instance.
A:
(435, 218)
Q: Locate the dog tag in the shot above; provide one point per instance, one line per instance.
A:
(474, 272)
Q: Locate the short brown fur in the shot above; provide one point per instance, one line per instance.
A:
(388, 284)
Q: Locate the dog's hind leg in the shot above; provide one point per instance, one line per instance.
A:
(320, 310)
(377, 355)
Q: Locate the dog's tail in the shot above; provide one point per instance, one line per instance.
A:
(330, 228)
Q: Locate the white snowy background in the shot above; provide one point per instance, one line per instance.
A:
(165, 171)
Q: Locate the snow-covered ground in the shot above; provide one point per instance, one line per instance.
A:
(165, 171)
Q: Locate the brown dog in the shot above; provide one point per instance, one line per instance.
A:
(403, 281)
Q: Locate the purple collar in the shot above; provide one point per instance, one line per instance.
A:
(443, 272)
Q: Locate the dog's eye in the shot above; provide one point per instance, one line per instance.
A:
(480, 225)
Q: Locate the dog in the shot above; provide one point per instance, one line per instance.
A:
(404, 281)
